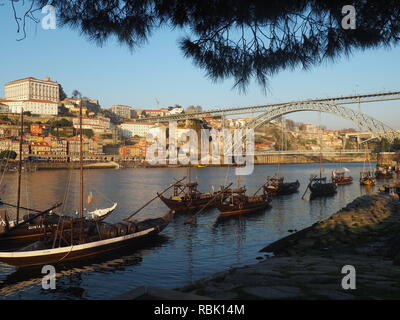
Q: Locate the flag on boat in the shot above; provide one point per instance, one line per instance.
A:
(90, 197)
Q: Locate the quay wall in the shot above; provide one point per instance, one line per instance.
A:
(117, 162)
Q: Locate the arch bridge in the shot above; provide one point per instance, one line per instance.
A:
(363, 121)
(333, 105)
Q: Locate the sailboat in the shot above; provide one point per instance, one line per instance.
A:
(275, 185)
(187, 198)
(34, 224)
(318, 185)
(80, 238)
(366, 175)
(383, 172)
(339, 175)
(236, 202)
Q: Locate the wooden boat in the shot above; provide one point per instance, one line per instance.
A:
(237, 202)
(366, 175)
(339, 178)
(276, 186)
(383, 172)
(320, 188)
(339, 175)
(366, 178)
(186, 197)
(318, 185)
(66, 243)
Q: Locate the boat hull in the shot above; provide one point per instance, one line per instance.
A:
(76, 252)
(283, 189)
(185, 205)
(227, 210)
(367, 182)
(323, 190)
(20, 236)
(381, 175)
(342, 181)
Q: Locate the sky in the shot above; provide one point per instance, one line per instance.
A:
(158, 71)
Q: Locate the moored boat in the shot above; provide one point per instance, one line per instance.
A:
(339, 178)
(383, 172)
(366, 178)
(68, 243)
(186, 197)
(237, 202)
(277, 186)
(319, 187)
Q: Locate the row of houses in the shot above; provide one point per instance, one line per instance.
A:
(126, 112)
(52, 146)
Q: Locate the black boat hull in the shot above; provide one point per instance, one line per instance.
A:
(185, 205)
(285, 188)
(228, 210)
(323, 190)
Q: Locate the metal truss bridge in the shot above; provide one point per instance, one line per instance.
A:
(333, 105)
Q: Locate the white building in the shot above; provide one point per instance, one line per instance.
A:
(33, 95)
(32, 89)
(34, 106)
(98, 124)
(131, 129)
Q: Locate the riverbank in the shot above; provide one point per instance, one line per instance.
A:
(131, 164)
(308, 264)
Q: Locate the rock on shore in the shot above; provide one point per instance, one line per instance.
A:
(308, 263)
(368, 225)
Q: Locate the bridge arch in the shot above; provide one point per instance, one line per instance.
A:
(363, 121)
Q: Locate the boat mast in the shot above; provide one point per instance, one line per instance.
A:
(81, 158)
(81, 169)
(20, 162)
(320, 147)
(282, 142)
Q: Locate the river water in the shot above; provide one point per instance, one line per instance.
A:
(182, 253)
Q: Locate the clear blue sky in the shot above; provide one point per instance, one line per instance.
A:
(114, 75)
